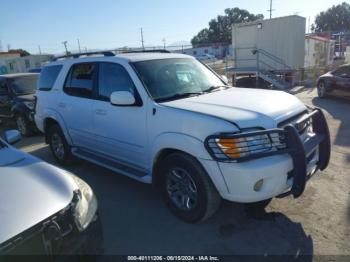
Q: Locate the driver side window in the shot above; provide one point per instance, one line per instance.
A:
(345, 70)
(111, 78)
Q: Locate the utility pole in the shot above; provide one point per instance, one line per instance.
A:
(142, 41)
(164, 42)
(79, 45)
(270, 10)
(8, 47)
(39, 49)
(65, 46)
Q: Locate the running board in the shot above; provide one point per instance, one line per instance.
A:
(108, 163)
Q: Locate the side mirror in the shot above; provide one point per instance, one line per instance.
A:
(223, 77)
(122, 98)
(12, 136)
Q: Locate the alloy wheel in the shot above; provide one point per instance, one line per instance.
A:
(57, 146)
(181, 189)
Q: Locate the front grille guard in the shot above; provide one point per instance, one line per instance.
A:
(294, 146)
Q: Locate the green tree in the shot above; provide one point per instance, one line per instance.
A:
(336, 18)
(21, 51)
(220, 28)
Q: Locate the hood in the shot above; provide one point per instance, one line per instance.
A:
(328, 74)
(245, 107)
(30, 191)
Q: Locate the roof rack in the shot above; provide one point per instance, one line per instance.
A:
(145, 51)
(77, 55)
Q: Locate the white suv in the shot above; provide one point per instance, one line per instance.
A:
(169, 120)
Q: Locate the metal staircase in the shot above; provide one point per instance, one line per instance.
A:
(268, 67)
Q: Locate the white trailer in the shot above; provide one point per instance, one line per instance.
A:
(269, 47)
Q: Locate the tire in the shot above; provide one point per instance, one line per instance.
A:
(23, 125)
(321, 89)
(59, 146)
(181, 176)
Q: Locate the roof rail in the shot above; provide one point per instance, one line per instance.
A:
(145, 51)
(77, 55)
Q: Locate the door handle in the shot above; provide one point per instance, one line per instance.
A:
(61, 105)
(101, 112)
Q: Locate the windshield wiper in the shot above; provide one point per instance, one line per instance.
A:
(215, 88)
(178, 96)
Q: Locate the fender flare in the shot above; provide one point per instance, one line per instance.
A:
(49, 113)
(189, 145)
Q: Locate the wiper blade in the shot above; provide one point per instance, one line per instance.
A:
(214, 88)
(178, 96)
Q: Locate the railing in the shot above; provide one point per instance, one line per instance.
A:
(260, 53)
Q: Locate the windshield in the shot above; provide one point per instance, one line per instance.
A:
(24, 85)
(175, 77)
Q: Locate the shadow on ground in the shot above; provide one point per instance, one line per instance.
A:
(339, 109)
(135, 221)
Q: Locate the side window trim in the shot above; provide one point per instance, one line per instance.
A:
(94, 79)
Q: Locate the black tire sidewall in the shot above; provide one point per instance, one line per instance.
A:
(181, 161)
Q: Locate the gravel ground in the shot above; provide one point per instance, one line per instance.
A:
(135, 220)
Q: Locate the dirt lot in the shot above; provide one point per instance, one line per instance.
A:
(136, 221)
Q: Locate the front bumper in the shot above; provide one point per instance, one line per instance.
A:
(284, 171)
(57, 239)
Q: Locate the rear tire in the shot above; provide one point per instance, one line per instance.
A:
(187, 189)
(59, 147)
(23, 125)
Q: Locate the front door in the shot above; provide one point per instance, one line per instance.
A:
(342, 81)
(120, 130)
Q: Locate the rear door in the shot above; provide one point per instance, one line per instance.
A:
(5, 103)
(75, 103)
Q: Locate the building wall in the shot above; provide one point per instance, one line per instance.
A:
(318, 53)
(217, 50)
(22, 64)
(282, 37)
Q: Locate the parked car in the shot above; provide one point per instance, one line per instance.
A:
(44, 210)
(169, 120)
(17, 100)
(206, 57)
(336, 82)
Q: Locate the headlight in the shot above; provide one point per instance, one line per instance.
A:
(86, 206)
(228, 147)
(29, 104)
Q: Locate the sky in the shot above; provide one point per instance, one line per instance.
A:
(107, 24)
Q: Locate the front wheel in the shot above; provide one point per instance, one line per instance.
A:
(321, 89)
(59, 146)
(187, 189)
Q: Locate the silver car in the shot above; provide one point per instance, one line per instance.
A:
(44, 209)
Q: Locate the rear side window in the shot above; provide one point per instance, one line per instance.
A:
(24, 85)
(80, 80)
(48, 77)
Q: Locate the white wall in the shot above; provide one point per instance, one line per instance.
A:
(283, 37)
